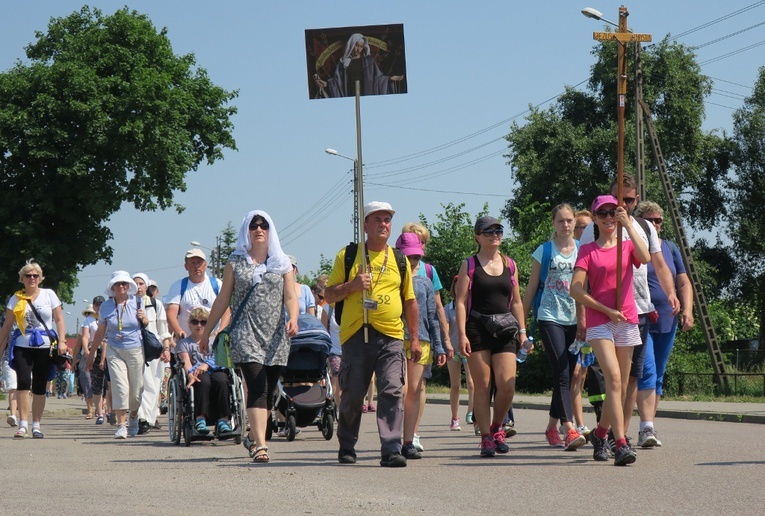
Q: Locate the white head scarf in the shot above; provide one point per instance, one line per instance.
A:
(355, 38)
(277, 262)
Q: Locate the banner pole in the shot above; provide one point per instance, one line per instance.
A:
(360, 214)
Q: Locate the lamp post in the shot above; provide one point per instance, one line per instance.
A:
(356, 196)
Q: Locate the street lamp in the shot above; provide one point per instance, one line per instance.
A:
(356, 196)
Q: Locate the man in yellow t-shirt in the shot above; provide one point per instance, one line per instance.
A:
(388, 297)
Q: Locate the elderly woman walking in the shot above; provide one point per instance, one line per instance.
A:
(120, 320)
(262, 281)
(31, 314)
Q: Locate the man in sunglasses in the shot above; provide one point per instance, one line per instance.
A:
(644, 398)
(196, 290)
(389, 295)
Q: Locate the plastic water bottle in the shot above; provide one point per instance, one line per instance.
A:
(523, 353)
(576, 346)
(587, 357)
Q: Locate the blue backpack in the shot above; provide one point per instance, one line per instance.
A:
(185, 285)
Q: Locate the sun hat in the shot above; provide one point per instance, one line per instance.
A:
(486, 222)
(602, 200)
(118, 276)
(195, 253)
(98, 299)
(375, 206)
(409, 244)
(89, 311)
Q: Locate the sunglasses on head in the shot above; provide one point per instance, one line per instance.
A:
(256, 225)
(606, 213)
(194, 322)
(493, 231)
(655, 220)
(32, 276)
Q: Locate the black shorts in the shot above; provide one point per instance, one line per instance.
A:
(480, 339)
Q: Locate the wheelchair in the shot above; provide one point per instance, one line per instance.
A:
(180, 412)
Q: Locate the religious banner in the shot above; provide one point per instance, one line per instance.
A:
(372, 54)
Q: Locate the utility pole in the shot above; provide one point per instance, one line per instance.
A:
(622, 37)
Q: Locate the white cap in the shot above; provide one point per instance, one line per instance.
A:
(375, 206)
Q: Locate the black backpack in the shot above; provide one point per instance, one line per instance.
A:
(350, 256)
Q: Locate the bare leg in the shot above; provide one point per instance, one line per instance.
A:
(629, 395)
(455, 381)
(503, 365)
(412, 402)
(577, 384)
(24, 403)
(480, 369)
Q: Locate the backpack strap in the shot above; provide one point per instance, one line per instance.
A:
(403, 264)
(213, 284)
(472, 263)
(184, 286)
(644, 224)
(429, 271)
(350, 256)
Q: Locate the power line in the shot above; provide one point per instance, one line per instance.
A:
(718, 20)
(437, 191)
(722, 38)
(730, 82)
(733, 53)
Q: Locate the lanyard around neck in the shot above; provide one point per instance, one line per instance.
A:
(382, 269)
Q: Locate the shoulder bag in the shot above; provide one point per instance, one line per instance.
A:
(152, 347)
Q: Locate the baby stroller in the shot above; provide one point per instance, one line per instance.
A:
(304, 396)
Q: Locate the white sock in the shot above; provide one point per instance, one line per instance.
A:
(35, 425)
(644, 424)
(23, 423)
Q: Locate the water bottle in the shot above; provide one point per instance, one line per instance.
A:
(587, 357)
(523, 353)
(576, 346)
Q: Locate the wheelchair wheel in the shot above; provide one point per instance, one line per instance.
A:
(291, 428)
(240, 410)
(187, 434)
(174, 413)
(328, 425)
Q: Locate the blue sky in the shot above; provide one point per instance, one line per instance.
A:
(471, 69)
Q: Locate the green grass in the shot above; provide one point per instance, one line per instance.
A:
(709, 397)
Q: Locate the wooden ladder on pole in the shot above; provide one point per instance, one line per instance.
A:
(718, 364)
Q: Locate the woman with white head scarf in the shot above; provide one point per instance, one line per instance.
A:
(260, 332)
(119, 327)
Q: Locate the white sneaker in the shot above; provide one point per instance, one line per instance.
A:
(416, 443)
(121, 432)
(646, 438)
(12, 421)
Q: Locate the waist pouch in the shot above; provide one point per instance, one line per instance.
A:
(498, 325)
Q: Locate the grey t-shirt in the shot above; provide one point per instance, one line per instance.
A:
(640, 274)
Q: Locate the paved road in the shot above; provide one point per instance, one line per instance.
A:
(704, 467)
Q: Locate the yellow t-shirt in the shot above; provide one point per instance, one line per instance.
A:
(386, 290)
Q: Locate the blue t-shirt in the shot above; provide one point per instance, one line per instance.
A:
(122, 327)
(306, 299)
(422, 271)
(658, 297)
(557, 305)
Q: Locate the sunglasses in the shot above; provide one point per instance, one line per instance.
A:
(628, 200)
(261, 225)
(320, 296)
(491, 232)
(655, 220)
(121, 284)
(194, 322)
(606, 213)
(32, 276)
(580, 226)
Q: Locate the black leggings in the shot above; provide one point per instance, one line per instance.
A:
(557, 338)
(33, 368)
(211, 396)
(261, 383)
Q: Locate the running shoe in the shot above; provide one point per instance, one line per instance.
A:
(410, 452)
(121, 432)
(656, 435)
(455, 425)
(600, 448)
(624, 455)
(510, 430)
(224, 427)
(12, 421)
(469, 418)
(416, 443)
(574, 440)
(488, 448)
(647, 438)
(553, 438)
(133, 426)
(499, 442)
(584, 431)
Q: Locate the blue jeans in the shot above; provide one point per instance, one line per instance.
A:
(662, 344)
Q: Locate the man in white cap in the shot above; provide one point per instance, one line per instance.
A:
(389, 293)
(154, 372)
(196, 290)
